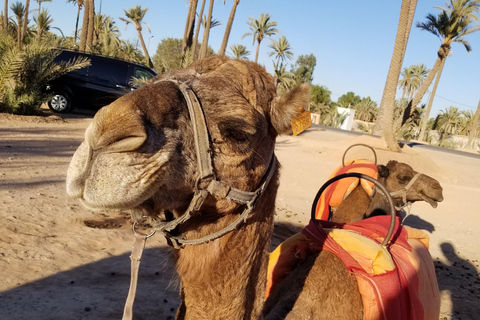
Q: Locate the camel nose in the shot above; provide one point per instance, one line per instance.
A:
(437, 191)
(126, 133)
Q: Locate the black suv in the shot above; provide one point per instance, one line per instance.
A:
(95, 86)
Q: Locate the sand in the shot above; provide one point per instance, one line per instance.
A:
(60, 260)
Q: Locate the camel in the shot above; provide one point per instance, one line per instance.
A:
(395, 176)
(146, 152)
(320, 286)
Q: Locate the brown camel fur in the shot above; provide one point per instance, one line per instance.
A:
(139, 154)
(321, 287)
(394, 176)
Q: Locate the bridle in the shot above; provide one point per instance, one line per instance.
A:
(206, 184)
(403, 192)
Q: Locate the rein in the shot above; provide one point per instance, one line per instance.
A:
(206, 184)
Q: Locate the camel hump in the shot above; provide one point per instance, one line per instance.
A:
(339, 190)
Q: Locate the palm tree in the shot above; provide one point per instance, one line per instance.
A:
(25, 20)
(91, 23)
(260, 29)
(239, 51)
(213, 23)
(84, 34)
(43, 21)
(284, 80)
(473, 130)
(228, 28)
(19, 11)
(451, 25)
(447, 123)
(197, 31)
(189, 26)
(135, 16)
(405, 83)
(385, 117)
(79, 4)
(413, 77)
(40, 4)
(5, 16)
(206, 33)
(281, 50)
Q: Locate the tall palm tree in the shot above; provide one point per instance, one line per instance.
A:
(91, 23)
(135, 16)
(451, 25)
(83, 35)
(40, 4)
(284, 80)
(197, 30)
(25, 20)
(405, 83)
(43, 21)
(385, 118)
(228, 28)
(206, 33)
(281, 49)
(5, 16)
(19, 12)
(239, 51)
(79, 4)
(260, 29)
(189, 26)
(213, 23)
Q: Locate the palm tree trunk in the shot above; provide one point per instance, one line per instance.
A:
(25, 20)
(388, 98)
(189, 26)
(206, 32)
(473, 130)
(199, 24)
(256, 52)
(5, 16)
(228, 28)
(147, 56)
(91, 25)
(408, 13)
(76, 24)
(19, 33)
(83, 35)
(429, 106)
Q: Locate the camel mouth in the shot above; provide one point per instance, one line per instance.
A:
(433, 202)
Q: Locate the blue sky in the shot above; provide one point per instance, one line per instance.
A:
(352, 40)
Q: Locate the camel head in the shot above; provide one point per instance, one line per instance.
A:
(139, 151)
(397, 178)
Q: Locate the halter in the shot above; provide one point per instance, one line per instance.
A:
(403, 192)
(206, 183)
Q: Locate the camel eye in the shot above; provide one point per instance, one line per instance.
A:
(403, 179)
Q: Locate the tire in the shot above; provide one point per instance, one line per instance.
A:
(60, 102)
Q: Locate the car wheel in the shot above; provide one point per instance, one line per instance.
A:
(60, 102)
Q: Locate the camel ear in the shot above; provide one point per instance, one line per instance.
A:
(288, 106)
(383, 171)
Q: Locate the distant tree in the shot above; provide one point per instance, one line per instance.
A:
(474, 128)
(451, 25)
(135, 16)
(19, 11)
(304, 67)
(348, 99)
(168, 55)
(284, 80)
(260, 29)
(79, 4)
(189, 26)
(197, 30)
(206, 32)
(228, 28)
(320, 94)
(25, 20)
(5, 16)
(40, 4)
(43, 21)
(447, 123)
(239, 51)
(365, 110)
(281, 50)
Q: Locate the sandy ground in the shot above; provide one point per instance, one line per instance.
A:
(62, 261)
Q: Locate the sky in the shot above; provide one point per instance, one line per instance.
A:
(352, 40)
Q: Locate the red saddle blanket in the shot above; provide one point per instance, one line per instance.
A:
(396, 282)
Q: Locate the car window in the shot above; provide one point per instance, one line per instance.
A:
(108, 73)
(142, 73)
